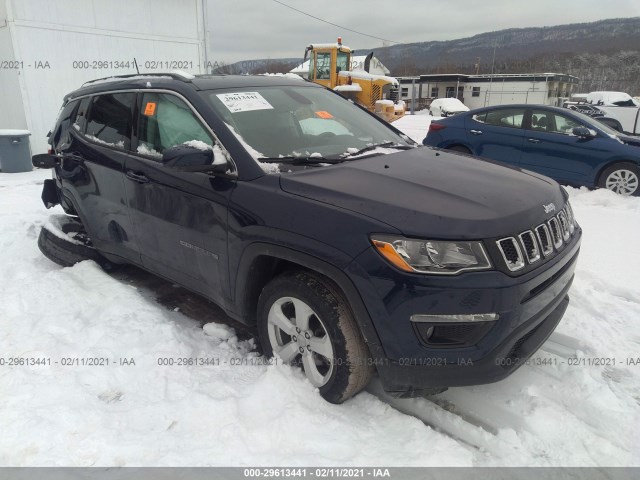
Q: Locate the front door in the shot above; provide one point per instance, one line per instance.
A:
(180, 217)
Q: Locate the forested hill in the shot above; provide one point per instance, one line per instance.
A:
(605, 54)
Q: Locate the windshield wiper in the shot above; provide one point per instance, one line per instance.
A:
(368, 148)
(301, 160)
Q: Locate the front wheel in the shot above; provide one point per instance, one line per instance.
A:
(305, 320)
(621, 178)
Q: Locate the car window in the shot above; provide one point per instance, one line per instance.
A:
(109, 119)
(60, 136)
(166, 121)
(80, 121)
(298, 121)
(551, 122)
(506, 117)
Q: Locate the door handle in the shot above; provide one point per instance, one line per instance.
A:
(137, 176)
(475, 132)
(533, 140)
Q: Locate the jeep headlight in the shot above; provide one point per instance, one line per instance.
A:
(431, 256)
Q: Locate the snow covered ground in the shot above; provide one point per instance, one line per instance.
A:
(148, 414)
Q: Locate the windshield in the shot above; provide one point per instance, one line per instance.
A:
(587, 120)
(290, 121)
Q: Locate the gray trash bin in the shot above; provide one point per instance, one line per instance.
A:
(15, 151)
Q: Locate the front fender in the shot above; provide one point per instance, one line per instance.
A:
(253, 273)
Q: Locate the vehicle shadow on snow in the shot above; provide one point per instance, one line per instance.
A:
(176, 298)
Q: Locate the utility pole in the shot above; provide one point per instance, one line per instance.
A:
(493, 62)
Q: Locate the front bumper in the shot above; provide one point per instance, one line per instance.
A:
(529, 306)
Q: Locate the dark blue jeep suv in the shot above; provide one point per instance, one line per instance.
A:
(352, 249)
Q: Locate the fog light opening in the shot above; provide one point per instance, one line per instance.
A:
(464, 318)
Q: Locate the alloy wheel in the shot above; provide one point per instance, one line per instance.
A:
(624, 182)
(297, 333)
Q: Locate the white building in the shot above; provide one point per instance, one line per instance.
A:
(477, 91)
(357, 63)
(49, 48)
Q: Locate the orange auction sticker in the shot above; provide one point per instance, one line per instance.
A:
(150, 109)
(323, 114)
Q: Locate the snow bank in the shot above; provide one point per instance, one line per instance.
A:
(158, 415)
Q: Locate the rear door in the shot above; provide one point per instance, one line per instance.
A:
(497, 134)
(94, 151)
(180, 217)
(551, 148)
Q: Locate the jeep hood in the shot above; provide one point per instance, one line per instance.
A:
(433, 193)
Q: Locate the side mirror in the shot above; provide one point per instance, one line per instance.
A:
(186, 158)
(583, 132)
(45, 160)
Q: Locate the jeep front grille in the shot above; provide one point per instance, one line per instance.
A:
(556, 236)
(528, 247)
(511, 253)
(564, 225)
(544, 238)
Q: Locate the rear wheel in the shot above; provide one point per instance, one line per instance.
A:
(305, 320)
(460, 148)
(64, 241)
(621, 178)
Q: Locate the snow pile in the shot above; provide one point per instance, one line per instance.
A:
(10, 132)
(145, 149)
(355, 87)
(289, 75)
(368, 76)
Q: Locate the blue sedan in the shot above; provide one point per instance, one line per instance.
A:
(565, 145)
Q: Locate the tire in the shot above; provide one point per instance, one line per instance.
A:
(314, 312)
(65, 242)
(460, 148)
(622, 178)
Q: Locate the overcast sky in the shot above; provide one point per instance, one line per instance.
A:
(251, 29)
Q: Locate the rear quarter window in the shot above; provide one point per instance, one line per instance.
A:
(510, 118)
(60, 135)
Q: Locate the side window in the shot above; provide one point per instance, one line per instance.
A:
(60, 135)
(109, 119)
(480, 117)
(342, 62)
(323, 66)
(510, 117)
(166, 121)
(550, 122)
(80, 122)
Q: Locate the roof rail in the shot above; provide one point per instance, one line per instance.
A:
(175, 74)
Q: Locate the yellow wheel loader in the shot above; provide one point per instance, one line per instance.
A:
(330, 65)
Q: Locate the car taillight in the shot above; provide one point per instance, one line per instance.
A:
(434, 127)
